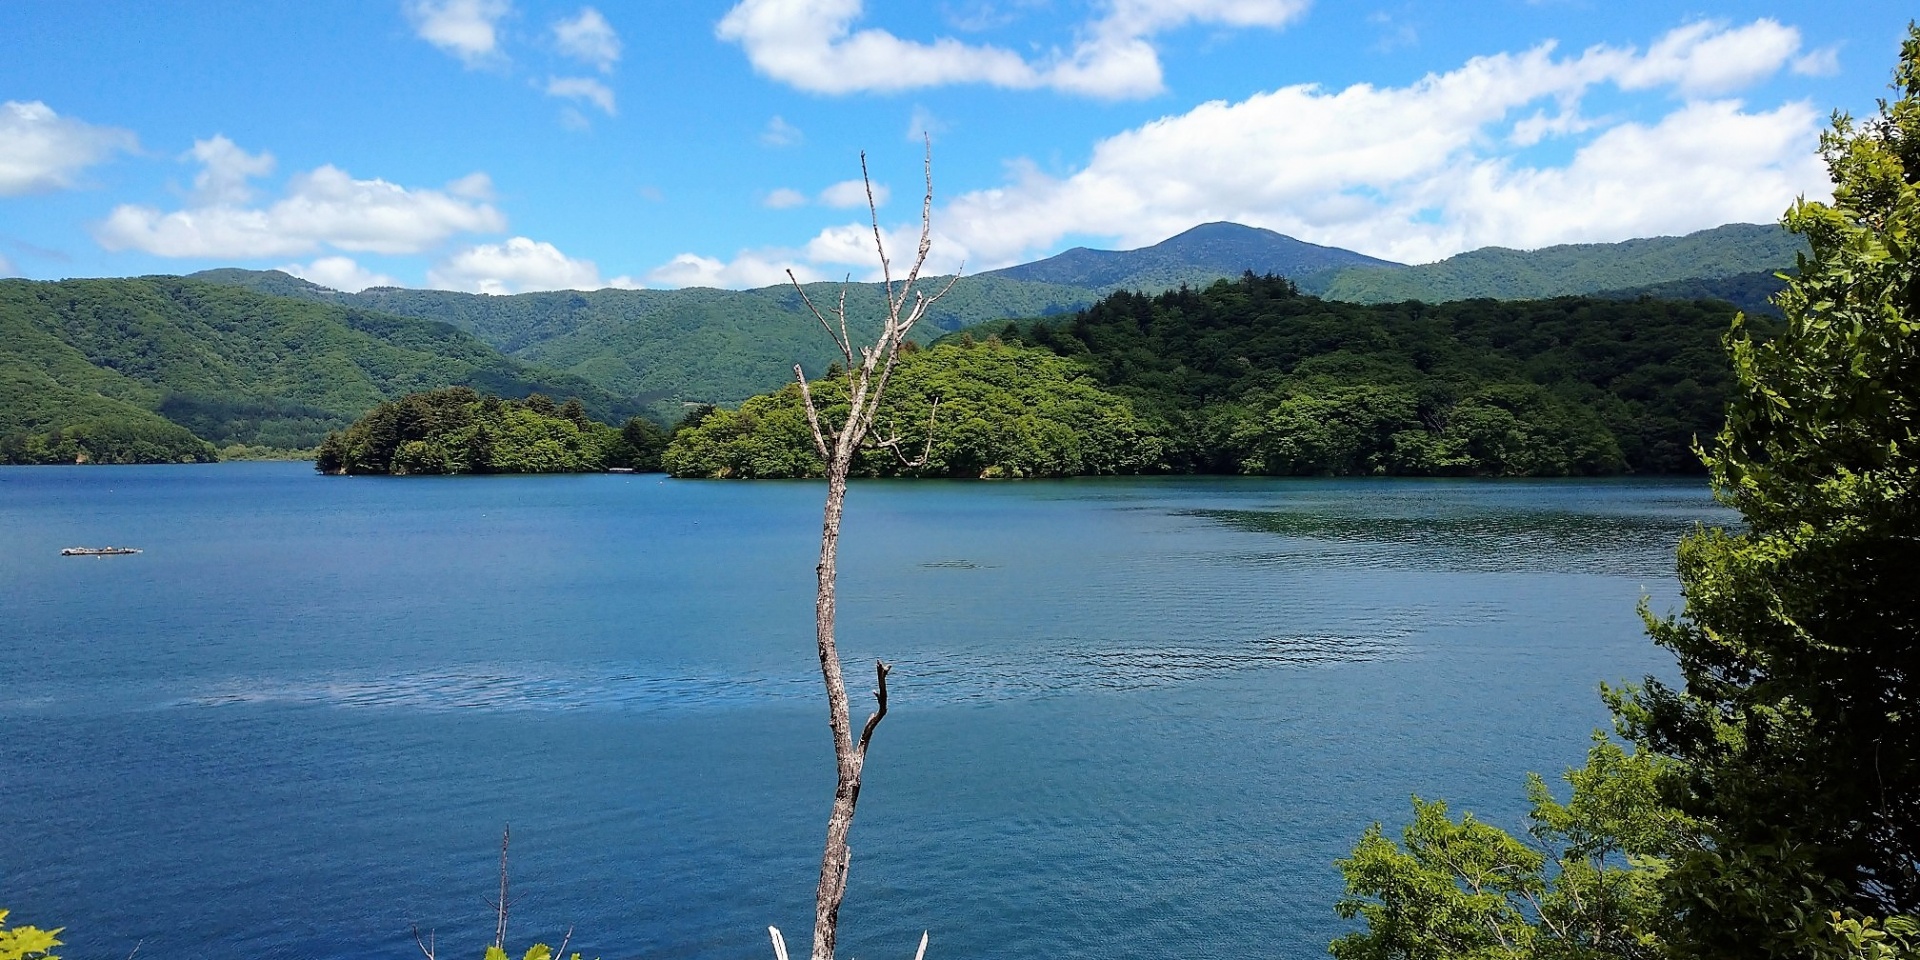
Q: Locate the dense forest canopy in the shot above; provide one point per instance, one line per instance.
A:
(458, 430)
(1253, 376)
(1004, 411)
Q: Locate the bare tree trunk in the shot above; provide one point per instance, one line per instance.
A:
(838, 445)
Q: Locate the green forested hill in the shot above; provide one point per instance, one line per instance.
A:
(1253, 376)
(1752, 292)
(669, 347)
(1575, 269)
(172, 359)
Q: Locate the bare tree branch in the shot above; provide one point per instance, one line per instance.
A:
(813, 413)
(500, 925)
(880, 670)
(867, 382)
(839, 340)
(426, 948)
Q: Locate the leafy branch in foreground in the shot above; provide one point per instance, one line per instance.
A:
(27, 943)
(1785, 769)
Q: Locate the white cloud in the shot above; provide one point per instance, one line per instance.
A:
(588, 38)
(225, 170)
(41, 150)
(753, 268)
(812, 45)
(853, 193)
(780, 133)
(325, 207)
(784, 198)
(1824, 62)
(339, 273)
(1706, 58)
(1418, 172)
(516, 266)
(583, 88)
(6, 267)
(468, 29)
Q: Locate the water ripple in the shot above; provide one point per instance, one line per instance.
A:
(1056, 669)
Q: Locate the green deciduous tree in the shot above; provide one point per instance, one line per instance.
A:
(1772, 806)
(1799, 720)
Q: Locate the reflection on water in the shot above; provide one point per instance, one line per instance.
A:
(1620, 544)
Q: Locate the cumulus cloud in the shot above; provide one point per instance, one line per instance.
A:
(1707, 58)
(42, 151)
(325, 207)
(784, 198)
(583, 88)
(780, 133)
(588, 38)
(752, 268)
(339, 273)
(225, 170)
(1417, 172)
(467, 29)
(516, 266)
(812, 45)
(853, 193)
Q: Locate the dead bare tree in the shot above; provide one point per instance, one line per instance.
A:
(867, 371)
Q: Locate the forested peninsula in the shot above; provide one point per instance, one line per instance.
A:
(1252, 376)
(459, 430)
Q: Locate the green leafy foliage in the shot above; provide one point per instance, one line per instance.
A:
(457, 430)
(160, 364)
(1004, 411)
(1778, 814)
(1500, 273)
(27, 943)
(1799, 719)
(538, 951)
(1580, 886)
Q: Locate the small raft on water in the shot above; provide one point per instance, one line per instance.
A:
(97, 551)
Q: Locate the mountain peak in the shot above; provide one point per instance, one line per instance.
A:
(1194, 257)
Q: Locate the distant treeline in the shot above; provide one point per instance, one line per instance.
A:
(459, 430)
(1251, 376)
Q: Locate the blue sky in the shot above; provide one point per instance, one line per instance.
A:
(509, 145)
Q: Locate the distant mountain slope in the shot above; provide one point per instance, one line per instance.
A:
(230, 365)
(1751, 292)
(669, 347)
(1502, 274)
(1195, 258)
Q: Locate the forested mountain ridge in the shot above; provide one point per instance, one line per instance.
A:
(1569, 270)
(666, 348)
(179, 361)
(1195, 258)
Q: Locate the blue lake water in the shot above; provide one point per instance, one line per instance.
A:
(1130, 717)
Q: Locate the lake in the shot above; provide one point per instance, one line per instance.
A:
(1131, 716)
